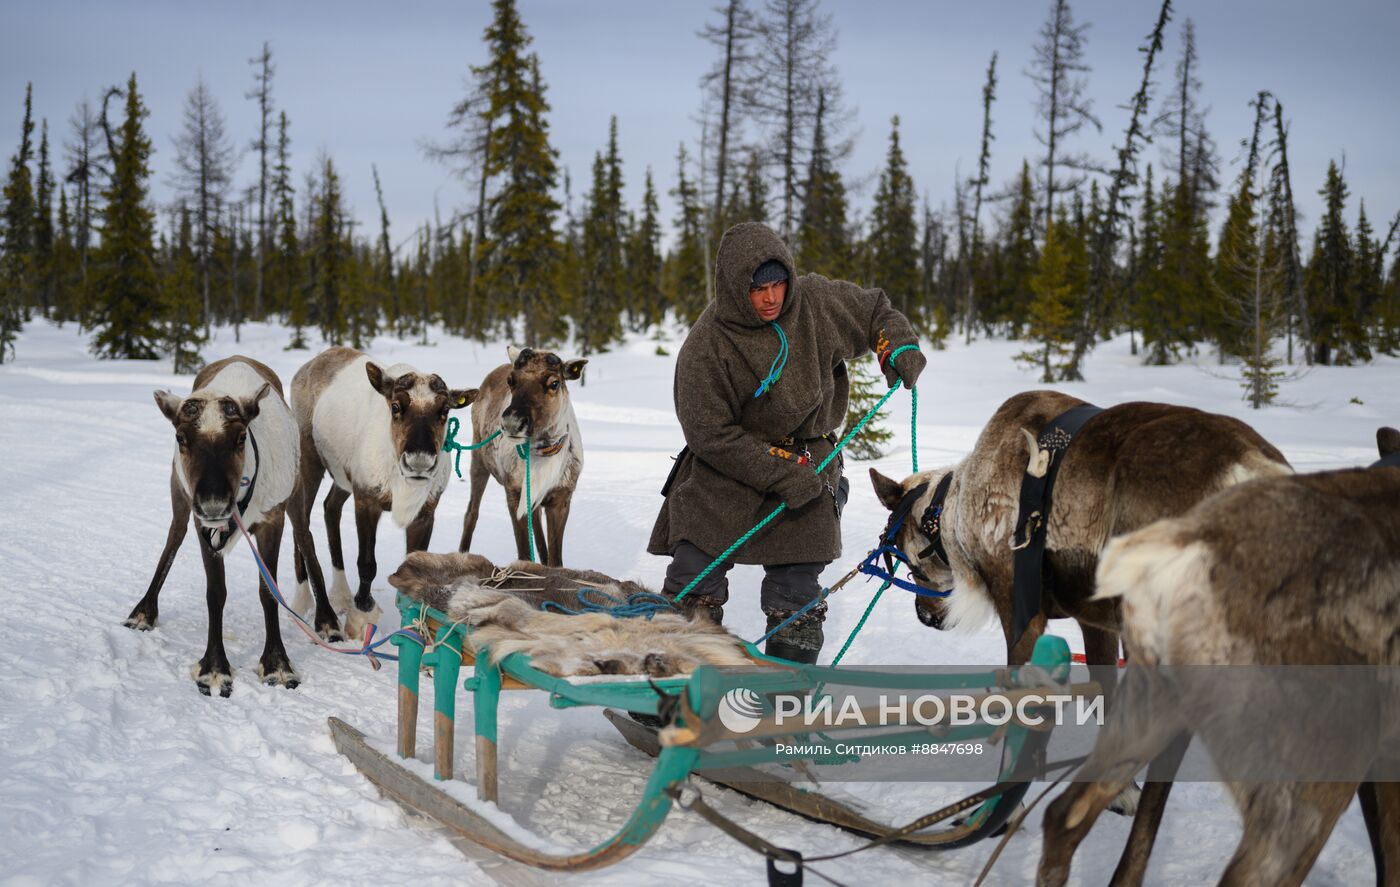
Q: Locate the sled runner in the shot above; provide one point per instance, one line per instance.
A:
(693, 740)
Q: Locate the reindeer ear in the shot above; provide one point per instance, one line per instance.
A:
(378, 379)
(169, 405)
(1387, 441)
(573, 369)
(251, 406)
(512, 352)
(887, 490)
(460, 397)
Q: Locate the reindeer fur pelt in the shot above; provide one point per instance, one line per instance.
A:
(503, 607)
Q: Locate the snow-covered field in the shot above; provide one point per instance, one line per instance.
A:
(114, 769)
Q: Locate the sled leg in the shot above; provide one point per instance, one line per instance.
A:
(488, 694)
(446, 660)
(410, 661)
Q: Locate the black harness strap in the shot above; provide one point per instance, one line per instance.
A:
(214, 538)
(1036, 496)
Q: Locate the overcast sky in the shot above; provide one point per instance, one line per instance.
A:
(370, 81)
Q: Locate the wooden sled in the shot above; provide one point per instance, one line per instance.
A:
(694, 740)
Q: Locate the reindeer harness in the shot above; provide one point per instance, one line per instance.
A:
(1037, 489)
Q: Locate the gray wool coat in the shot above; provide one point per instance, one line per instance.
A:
(726, 481)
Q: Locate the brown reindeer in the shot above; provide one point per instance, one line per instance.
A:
(1128, 466)
(379, 432)
(1287, 571)
(527, 400)
(236, 447)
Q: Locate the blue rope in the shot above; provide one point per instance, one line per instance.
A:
(775, 370)
(642, 603)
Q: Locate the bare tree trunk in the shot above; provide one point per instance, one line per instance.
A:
(1106, 239)
(1297, 296)
(262, 91)
(989, 92)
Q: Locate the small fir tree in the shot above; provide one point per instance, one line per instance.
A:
(127, 289)
(1057, 285)
(181, 298)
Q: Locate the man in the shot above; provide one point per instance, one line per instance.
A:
(760, 392)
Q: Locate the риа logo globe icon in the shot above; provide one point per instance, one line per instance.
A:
(740, 710)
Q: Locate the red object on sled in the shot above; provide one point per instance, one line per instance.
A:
(1079, 657)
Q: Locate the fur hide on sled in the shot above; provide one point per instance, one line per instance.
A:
(502, 605)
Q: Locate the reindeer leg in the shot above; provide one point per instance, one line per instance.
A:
(542, 553)
(557, 509)
(522, 542)
(274, 667)
(333, 506)
(480, 478)
(143, 615)
(212, 673)
(365, 611)
(1140, 728)
(1285, 827)
(1101, 655)
(420, 532)
(1380, 805)
(1132, 865)
(299, 510)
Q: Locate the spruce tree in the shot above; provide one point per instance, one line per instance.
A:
(688, 269)
(1009, 295)
(17, 247)
(644, 260)
(331, 260)
(1366, 281)
(45, 282)
(1151, 311)
(866, 389)
(522, 249)
(604, 285)
(67, 284)
(1057, 283)
(128, 292)
(894, 234)
(288, 291)
(1329, 277)
(823, 244)
(181, 298)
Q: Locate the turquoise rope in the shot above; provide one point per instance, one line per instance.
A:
(453, 426)
(820, 468)
(523, 451)
(775, 369)
(864, 616)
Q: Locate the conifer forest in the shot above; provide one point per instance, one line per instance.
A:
(1187, 239)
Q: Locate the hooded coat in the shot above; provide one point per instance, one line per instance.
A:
(726, 481)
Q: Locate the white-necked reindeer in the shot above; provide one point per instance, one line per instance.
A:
(527, 401)
(379, 432)
(236, 447)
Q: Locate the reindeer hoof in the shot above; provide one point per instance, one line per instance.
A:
(210, 682)
(357, 620)
(280, 676)
(140, 622)
(341, 599)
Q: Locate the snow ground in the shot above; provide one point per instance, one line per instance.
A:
(113, 769)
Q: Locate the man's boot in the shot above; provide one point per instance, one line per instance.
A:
(801, 639)
(697, 606)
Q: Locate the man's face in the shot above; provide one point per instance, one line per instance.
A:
(768, 299)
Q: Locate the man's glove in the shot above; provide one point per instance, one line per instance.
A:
(801, 486)
(906, 366)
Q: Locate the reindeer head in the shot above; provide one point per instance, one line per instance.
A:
(211, 430)
(537, 390)
(418, 408)
(916, 535)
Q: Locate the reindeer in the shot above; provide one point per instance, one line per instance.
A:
(527, 400)
(1284, 571)
(379, 432)
(236, 447)
(1130, 465)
